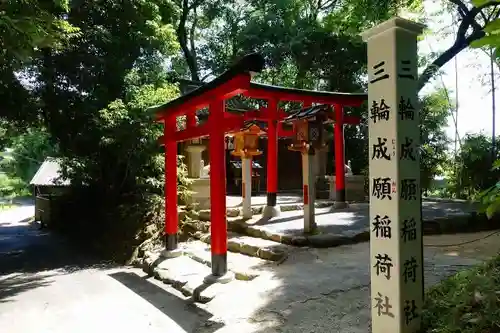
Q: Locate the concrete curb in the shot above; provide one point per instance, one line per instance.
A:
(442, 225)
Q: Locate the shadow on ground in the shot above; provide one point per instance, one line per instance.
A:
(328, 290)
(184, 312)
(28, 257)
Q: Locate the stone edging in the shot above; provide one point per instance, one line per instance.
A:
(442, 225)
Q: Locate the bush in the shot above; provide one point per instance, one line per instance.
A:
(11, 187)
(466, 302)
(118, 181)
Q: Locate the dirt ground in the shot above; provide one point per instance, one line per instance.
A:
(479, 245)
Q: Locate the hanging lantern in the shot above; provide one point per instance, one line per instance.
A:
(246, 142)
(308, 128)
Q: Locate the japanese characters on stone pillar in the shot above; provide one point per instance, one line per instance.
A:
(395, 199)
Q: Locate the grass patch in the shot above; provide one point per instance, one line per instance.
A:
(468, 302)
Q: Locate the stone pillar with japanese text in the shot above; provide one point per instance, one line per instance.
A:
(395, 198)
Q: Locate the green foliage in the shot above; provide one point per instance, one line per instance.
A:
(433, 119)
(471, 171)
(127, 156)
(122, 176)
(11, 187)
(466, 302)
(27, 151)
(492, 30)
(26, 25)
(490, 198)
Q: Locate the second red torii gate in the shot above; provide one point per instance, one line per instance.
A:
(235, 81)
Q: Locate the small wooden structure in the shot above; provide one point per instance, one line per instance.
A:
(308, 127)
(48, 187)
(237, 167)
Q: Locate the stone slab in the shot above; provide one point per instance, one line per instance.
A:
(243, 266)
(349, 225)
(354, 217)
(204, 214)
(178, 271)
(254, 247)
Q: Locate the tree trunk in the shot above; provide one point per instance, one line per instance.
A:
(446, 56)
(182, 35)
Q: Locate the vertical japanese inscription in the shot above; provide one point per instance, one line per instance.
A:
(410, 311)
(382, 226)
(409, 230)
(383, 187)
(409, 189)
(383, 265)
(394, 178)
(405, 70)
(380, 111)
(406, 109)
(407, 150)
(410, 270)
(379, 73)
(383, 305)
(380, 150)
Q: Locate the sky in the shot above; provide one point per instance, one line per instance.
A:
(474, 84)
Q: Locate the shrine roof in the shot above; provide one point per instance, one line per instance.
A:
(308, 112)
(256, 88)
(251, 64)
(234, 104)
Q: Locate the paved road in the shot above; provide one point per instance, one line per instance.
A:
(48, 286)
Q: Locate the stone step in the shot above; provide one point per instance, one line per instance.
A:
(204, 215)
(184, 274)
(244, 267)
(254, 247)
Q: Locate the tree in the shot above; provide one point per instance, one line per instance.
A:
(473, 22)
(473, 173)
(27, 151)
(26, 26)
(434, 142)
(116, 37)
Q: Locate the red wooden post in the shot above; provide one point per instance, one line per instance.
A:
(271, 210)
(339, 156)
(191, 120)
(218, 227)
(171, 217)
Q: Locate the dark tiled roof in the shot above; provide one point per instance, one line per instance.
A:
(252, 63)
(235, 104)
(308, 112)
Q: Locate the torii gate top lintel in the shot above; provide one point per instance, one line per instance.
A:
(237, 80)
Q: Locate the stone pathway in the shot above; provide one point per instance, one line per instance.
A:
(345, 222)
(47, 286)
(273, 239)
(313, 290)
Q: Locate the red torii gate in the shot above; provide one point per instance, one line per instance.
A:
(235, 81)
